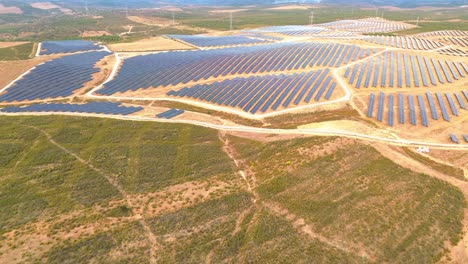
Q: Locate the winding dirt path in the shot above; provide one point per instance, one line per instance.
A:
(154, 245)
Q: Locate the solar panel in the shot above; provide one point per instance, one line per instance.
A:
(59, 77)
(91, 107)
(460, 101)
(454, 138)
(370, 106)
(390, 110)
(412, 110)
(422, 110)
(380, 107)
(401, 109)
(451, 104)
(442, 107)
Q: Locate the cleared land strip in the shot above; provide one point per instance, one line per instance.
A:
(279, 131)
(154, 245)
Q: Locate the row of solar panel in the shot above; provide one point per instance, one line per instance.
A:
(409, 103)
(463, 42)
(449, 33)
(453, 52)
(404, 42)
(294, 31)
(365, 26)
(56, 78)
(67, 46)
(109, 108)
(422, 68)
(263, 93)
(217, 41)
(170, 113)
(144, 72)
(454, 138)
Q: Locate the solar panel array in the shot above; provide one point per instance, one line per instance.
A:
(404, 42)
(264, 93)
(55, 78)
(108, 108)
(175, 68)
(453, 52)
(411, 70)
(445, 33)
(217, 41)
(463, 42)
(416, 108)
(294, 31)
(170, 113)
(67, 46)
(370, 25)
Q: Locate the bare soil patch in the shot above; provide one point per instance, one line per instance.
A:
(11, 44)
(10, 10)
(151, 44)
(49, 5)
(94, 33)
(151, 21)
(293, 7)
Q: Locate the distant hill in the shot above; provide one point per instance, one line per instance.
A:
(399, 3)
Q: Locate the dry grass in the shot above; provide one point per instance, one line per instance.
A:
(151, 44)
(8, 44)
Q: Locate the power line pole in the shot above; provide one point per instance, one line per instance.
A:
(311, 17)
(86, 7)
(126, 8)
(230, 21)
(417, 22)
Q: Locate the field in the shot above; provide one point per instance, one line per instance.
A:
(197, 202)
(18, 52)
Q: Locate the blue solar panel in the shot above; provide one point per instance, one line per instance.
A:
(401, 109)
(460, 101)
(442, 107)
(380, 107)
(399, 76)
(390, 110)
(55, 78)
(67, 46)
(376, 73)
(181, 67)
(434, 114)
(412, 110)
(407, 74)
(214, 41)
(422, 110)
(451, 104)
(465, 137)
(170, 113)
(92, 107)
(454, 138)
(370, 106)
(421, 71)
(415, 71)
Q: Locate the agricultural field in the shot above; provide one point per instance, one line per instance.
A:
(199, 208)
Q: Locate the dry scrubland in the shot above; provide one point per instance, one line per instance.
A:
(78, 186)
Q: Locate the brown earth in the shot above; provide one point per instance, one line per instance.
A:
(49, 5)
(11, 44)
(10, 10)
(151, 44)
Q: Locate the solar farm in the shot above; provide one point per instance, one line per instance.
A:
(397, 82)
